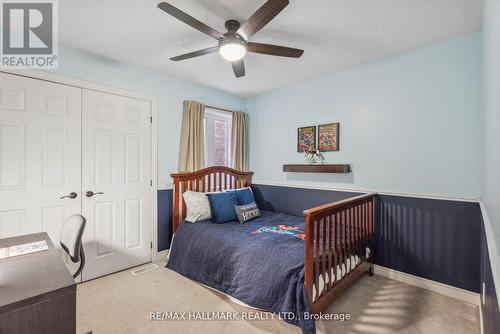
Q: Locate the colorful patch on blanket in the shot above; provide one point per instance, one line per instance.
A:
(282, 229)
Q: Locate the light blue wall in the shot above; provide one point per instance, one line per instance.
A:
(409, 124)
(169, 90)
(491, 123)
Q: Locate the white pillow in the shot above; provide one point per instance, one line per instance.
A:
(197, 206)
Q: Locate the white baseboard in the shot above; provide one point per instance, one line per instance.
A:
(444, 289)
(481, 324)
(161, 256)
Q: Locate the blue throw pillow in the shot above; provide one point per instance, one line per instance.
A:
(245, 196)
(222, 206)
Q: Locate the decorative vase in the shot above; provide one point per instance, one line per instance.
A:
(312, 156)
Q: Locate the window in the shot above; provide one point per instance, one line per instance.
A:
(218, 137)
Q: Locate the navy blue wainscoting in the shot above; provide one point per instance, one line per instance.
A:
(490, 308)
(164, 218)
(434, 239)
(292, 200)
(430, 238)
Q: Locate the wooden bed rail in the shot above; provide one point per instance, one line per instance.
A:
(338, 247)
(215, 178)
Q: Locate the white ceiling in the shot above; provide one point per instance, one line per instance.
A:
(335, 34)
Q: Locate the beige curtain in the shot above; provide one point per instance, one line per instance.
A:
(192, 145)
(239, 141)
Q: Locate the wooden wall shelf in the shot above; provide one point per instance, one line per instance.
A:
(319, 168)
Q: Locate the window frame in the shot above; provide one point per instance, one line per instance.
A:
(212, 115)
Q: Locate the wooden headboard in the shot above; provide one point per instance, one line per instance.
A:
(215, 178)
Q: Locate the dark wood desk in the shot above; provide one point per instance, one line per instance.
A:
(37, 292)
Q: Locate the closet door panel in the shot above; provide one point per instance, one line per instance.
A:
(116, 168)
(40, 155)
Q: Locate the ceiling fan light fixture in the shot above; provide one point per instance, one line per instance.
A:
(234, 44)
(232, 49)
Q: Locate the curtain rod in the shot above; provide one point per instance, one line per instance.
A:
(211, 107)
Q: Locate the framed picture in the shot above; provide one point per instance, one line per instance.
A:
(328, 137)
(306, 137)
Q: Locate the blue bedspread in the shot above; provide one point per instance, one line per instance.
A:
(260, 263)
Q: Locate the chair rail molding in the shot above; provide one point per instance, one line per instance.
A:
(366, 190)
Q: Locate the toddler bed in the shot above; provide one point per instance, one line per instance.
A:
(290, 265)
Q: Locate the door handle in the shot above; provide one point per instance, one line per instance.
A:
(71, 195)
(90, 193)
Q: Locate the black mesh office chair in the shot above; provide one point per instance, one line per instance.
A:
(71, 240)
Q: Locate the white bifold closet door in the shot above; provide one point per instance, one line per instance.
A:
(116, 169)
(56, 140)
(40, 156)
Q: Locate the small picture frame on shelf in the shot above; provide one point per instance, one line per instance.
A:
(328, 137)
(306, 137)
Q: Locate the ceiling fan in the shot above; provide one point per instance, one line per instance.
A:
(234, 44)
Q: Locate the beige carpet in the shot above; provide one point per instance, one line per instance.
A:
(122, 302)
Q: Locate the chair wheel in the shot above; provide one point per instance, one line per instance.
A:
(370, 271)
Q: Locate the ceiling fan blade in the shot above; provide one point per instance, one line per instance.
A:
(196, 53)
(261, 17)
(189, 20)
(274, 50)
(239, 68)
